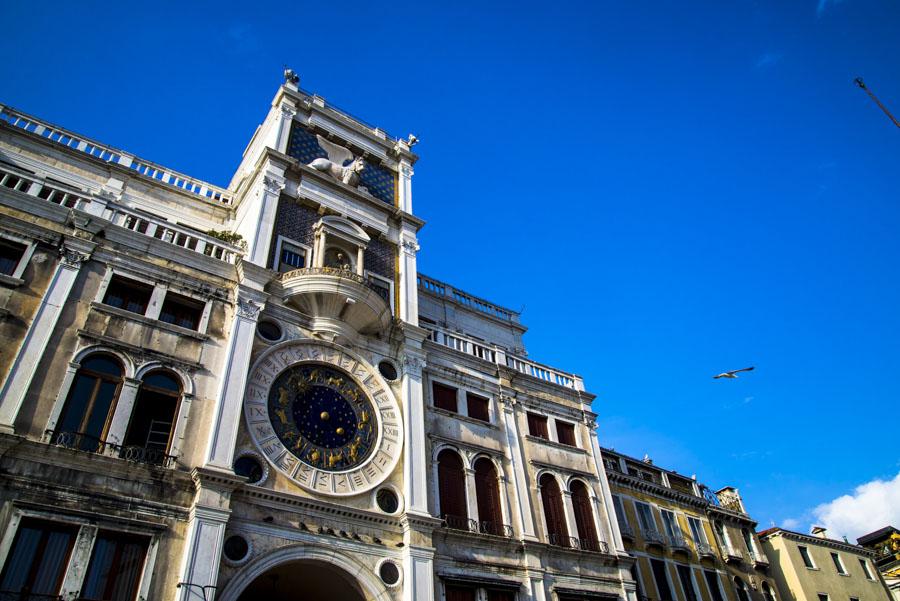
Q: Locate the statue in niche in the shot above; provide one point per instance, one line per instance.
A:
(340, 164)
(335, 258)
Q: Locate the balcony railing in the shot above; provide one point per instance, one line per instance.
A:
(28, 183)
(79, 441)
(654, 537)
(500, 356)
(473, 302)
(105, 153)
(495, 528)
(580, 544)
(677, 543)
(455, 522)
(705, 550)
(626, 531)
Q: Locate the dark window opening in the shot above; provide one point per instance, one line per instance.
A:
(88, 407)
(741, 589)
(236, 548)
(456, 592)
(478, 407)
(291, 258)
(662, 582)
(123, 293)
(444, 396)
(115, 568)
(151, 426)
(565, 433)
(551, 499)
(712, 581)
(537, 426)
(249, 467)
(38, 558)
(387, 500)
(684, 575)
(452, 489)
(181, 311)
(500, 595)
(10, 255)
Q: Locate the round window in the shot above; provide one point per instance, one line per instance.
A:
(236, 548)
(249, 467)
(269, 330)
(388, 370)
(390, 573)
(387, 500)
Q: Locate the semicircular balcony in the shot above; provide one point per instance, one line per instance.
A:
(337, 298)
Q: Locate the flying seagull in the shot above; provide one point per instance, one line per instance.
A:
(732, 374)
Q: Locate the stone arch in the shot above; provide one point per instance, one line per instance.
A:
(127, 364)
(371, 586)
(187, 384)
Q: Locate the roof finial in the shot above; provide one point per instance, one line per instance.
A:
(291, 79)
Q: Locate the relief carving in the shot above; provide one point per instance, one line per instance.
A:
(340, 164)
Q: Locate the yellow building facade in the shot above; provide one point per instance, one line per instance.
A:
(669, 524)
(816, 568)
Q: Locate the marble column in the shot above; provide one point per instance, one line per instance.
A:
(415, 464)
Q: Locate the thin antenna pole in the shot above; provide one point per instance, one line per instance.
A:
(862, 85)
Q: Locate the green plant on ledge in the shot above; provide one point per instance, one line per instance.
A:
(230, 237)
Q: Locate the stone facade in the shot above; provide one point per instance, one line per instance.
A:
(250, 392)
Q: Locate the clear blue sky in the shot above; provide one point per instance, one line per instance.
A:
(669, 189)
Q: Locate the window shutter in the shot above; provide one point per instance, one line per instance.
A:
(487, 493)
(553, 510)
(584, 517)
(452, 485)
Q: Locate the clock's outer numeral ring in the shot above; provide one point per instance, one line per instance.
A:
(387, 447)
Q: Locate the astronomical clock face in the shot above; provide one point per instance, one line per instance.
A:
(323, 417)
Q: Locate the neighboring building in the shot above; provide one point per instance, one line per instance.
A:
(251, 393)
(886, 545)
(687, 541)
(812, 567)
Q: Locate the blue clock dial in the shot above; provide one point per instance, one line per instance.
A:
(322, 416)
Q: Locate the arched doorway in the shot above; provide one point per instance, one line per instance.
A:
(304, 580)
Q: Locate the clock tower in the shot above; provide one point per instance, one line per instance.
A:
(316, 457)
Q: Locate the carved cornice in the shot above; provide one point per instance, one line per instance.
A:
(655, 489)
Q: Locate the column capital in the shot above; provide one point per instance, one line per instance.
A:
(72, 257)
(248, 308)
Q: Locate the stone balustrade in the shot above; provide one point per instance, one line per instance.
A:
(201, 189)
(443, 289)
(500, 356)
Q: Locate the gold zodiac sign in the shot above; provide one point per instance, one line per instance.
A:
(289, 435)
(282, 416)
(313, 376)
(283, 397)
(351, 393)
(335, 458)
(314, 456)
(335, 382)
(354, 448)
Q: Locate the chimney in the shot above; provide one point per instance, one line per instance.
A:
(819, 531)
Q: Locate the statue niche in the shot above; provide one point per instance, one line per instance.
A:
(340, 164)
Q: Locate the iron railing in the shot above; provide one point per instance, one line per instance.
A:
(456, 522)
(626, 531)
(705, 550)
(79, 441)
(495, 528)
(25, 594)
(678, 543)
(654, 537)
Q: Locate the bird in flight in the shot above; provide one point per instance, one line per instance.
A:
(732, 374)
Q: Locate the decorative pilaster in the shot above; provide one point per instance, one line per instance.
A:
(609, 521)
(524, 515)
(233, 379)
(409, 292)
(206, 534)
(418, 567)
(571, 522)
(472, 498)
(415, 465)
(73, 254)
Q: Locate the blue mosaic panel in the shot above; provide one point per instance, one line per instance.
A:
(304, 147)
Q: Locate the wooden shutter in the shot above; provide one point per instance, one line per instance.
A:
(537, 426)
(584, 517)
(444, 397)
(553, 510)
(452, 485)
(487, 493)
(478, 407)
(460, 593)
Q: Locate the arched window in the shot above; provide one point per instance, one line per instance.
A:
(584, 516)
(768, 595)
(551, 498)
(149, 435)
(452, 490)
(487, 493)
(89, 406)
(741, 589)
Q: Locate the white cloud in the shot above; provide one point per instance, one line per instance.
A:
(790, 523)
(872, 505)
